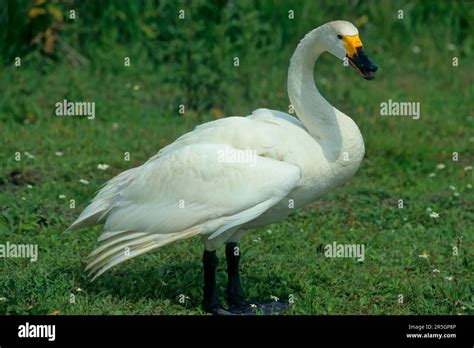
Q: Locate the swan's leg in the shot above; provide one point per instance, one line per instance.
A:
(210, 302)
(235, 296)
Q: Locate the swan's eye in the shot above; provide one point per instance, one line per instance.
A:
(339, 37)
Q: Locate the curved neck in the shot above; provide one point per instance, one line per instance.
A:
(312, 109)
(321, 119)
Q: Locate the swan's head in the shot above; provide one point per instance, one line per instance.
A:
(342, 40)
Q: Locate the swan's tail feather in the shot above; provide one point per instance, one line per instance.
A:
(96, 212)
(129, 244)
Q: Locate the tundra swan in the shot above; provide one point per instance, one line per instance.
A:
(235, 174)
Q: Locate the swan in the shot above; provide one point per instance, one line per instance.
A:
(235, 174)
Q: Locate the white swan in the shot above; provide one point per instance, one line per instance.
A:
(235, 174)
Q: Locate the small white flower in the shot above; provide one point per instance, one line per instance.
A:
(451, 47)
(440, 166)
(29, 155)
(451, 187)
(136, 87)
(424, 255)
(434, 215)
(2, 299)
(469, 186)
(456, 194)
(253, 305)
(23, 198)
(102, 166)
(429, 210)
(79, 290)
(416, 49)
(29, 186)
(467, 168)
(274, 298)
(58, 153)
(84, 181)
(448, 278)
(431, 175)
(62, 196)
(269, 231)
(436, 271)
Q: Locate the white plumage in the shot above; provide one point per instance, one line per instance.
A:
(187, 189)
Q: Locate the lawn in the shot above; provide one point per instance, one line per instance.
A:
(409, 265)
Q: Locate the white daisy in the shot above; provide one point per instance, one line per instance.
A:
(84, 181)
(102, 166)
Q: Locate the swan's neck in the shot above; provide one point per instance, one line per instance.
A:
(337, 134)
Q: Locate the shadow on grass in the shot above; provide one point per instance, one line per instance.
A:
(166, 282)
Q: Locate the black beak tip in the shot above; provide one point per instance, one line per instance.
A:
(362, 63)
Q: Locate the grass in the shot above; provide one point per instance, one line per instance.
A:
(137, 113)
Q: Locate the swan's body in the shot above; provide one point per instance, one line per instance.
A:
(188, 189)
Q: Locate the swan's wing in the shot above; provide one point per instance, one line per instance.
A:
(275, 116)
(265, 131)
(198, 184)
(203, 189)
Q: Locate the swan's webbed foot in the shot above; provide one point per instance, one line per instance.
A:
(261, 307)
(238, 305)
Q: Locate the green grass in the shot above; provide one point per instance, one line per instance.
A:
(278, 260)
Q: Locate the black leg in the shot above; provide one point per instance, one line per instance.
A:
(209, 260)
(235, 296)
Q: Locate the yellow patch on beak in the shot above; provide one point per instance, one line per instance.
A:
(351, 43)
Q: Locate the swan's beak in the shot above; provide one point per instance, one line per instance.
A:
(357, 57)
